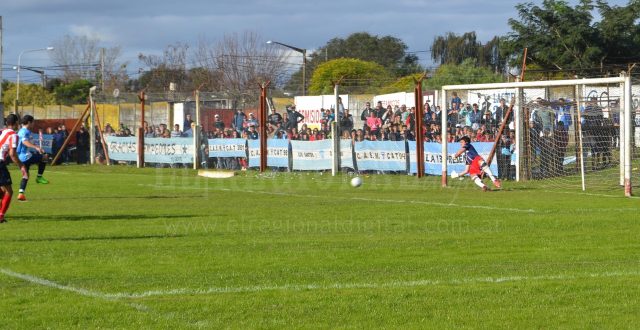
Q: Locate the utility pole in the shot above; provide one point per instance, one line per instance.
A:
(102, 69)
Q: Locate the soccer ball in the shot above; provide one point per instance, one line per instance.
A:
(356, 182)
(454, 174)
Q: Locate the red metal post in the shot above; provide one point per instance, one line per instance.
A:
(141, 132)
(418, 127)
(262, 123)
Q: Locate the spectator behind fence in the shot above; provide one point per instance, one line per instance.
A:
(475, 115)
(387, 116)
(176, 132)
(365, 114)
(252, 134)
(217, 122)
(187, 122)
(374, 123)
(346, 123)
(59, 136)
(294, 117)
(82, 145)
(238, 121)
(274, 118)
(252, 120)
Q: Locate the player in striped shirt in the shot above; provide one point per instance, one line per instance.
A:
(475, 164)
(8, 145)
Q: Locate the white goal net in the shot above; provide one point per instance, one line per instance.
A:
(568, 133)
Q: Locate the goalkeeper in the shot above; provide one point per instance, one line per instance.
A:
(475, 164)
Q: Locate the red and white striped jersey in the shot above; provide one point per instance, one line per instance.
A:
(8, 139)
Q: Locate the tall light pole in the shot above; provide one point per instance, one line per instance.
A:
(18, 73)
(304, 62)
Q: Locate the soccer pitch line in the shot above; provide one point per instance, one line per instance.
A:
(399, 201)
(306, 287)
(54, 285)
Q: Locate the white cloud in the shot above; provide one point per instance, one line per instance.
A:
(92, 32)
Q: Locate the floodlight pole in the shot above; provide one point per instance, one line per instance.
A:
(304, 62)
(17, 100)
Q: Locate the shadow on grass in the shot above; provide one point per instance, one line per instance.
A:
(88, 238)
(103, 217)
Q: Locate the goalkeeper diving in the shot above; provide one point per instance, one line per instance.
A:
(476, 165)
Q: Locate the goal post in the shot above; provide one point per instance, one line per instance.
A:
(562, 133)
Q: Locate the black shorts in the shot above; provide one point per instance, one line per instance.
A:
(5, 176)
(34, 159)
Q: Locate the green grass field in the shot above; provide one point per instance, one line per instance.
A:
(119, 247)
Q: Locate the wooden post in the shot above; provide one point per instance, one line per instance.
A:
(142, 98)
(73, 131)
(104, 145)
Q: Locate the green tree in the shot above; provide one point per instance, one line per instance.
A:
(453, 49)
(389, 52)
(30, 94)
(403, 84)
(619, 34)
(359, 77)
(465, 73)
(561, 37)
(76, 92)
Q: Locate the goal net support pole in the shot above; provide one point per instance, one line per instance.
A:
(627, 136)
(579, 90)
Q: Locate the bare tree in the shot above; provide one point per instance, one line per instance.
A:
(238, 63)
(79, 57)
(170, 67)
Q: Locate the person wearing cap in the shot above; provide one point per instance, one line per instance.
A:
(217, 122)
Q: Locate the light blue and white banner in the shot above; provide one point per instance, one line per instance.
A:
(433, 157)
(122, 148)
(312, 155)
(254, 153)
(227, 148)
(46, 143)
(381, 155)
(156, 150)
(346, 154)
(277, 153)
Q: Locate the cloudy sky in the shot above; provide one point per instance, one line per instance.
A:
(147, 26)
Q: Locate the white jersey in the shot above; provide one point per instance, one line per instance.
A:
(8, 140)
